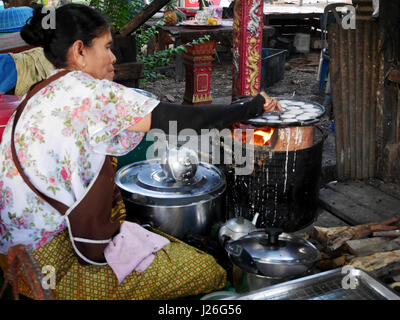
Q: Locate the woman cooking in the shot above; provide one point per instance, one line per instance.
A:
(64, 134)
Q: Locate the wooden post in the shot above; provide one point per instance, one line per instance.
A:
(247, 45)
(389, 13)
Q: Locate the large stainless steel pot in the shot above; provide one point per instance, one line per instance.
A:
(177, 199)
(267, 257)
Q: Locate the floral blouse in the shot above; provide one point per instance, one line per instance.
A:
(61, 140)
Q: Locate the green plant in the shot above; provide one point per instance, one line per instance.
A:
(119, 12)
(163, 57)
(170, 6)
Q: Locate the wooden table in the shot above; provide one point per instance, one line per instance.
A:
(12, 42)
(183, 34)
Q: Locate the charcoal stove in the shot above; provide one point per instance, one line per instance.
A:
(284, 185)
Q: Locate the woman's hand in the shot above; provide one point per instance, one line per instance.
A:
(270, 104)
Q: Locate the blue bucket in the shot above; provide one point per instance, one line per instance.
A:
(272, 66)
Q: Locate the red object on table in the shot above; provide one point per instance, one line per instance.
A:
(198, 64)
(8, 104)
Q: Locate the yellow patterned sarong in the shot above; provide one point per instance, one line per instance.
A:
(178, 270)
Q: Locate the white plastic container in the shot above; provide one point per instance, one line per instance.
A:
(302, 42)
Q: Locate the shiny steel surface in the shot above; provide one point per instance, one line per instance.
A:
(234, 229)
(180, 164)
(291, 256)
(174, 207)
(146, 183)
(325, 286)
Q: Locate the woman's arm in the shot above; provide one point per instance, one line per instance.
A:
(204, 116)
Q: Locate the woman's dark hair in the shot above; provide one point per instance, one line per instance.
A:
(72, 22)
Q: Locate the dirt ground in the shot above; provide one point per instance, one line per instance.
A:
(300, 80)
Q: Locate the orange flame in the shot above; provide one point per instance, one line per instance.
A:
(261, 137)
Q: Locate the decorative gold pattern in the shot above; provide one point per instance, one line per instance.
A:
(198, 98)
(253, 67)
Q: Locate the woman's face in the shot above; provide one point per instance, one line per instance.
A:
(98, 59)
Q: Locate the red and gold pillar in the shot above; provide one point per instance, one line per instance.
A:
(198, 64)
(247, 47)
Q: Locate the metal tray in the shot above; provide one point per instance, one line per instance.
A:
(325, 286)
(289, 106)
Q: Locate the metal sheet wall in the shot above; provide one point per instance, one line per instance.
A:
(356, 71)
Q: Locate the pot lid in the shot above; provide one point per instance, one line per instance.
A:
(295, 113)
(148, 184)
(271, 246)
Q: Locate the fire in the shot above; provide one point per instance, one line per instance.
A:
(265, 135)
(261, 137)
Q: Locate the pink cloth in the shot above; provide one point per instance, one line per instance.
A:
(132, 249)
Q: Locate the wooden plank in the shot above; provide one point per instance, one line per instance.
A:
(366, 102)
(352, 112)
(327, 220)
(324, 219)
(368, 197)
(143, 16)
(373, 101)
(359, 103)
(335, 237)
(391, 189)
(343, 53)
(345, 208)
(377, 261)
(334, 70)
(368, 246)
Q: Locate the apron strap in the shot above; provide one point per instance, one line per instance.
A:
(60, 207)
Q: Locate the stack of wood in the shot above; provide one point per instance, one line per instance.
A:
(373, 247)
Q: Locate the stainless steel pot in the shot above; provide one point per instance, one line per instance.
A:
(245, 281)
(153, 196)
(268, 257)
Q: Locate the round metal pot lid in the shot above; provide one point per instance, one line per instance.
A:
(295, 113)
(286, 249)
(148, 184)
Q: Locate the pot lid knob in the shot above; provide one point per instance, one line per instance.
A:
(180, 163)
(273, 236)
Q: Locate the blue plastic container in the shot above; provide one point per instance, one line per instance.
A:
(14, 18)
(272, 66)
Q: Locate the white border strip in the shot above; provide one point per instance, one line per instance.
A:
(72, 239)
